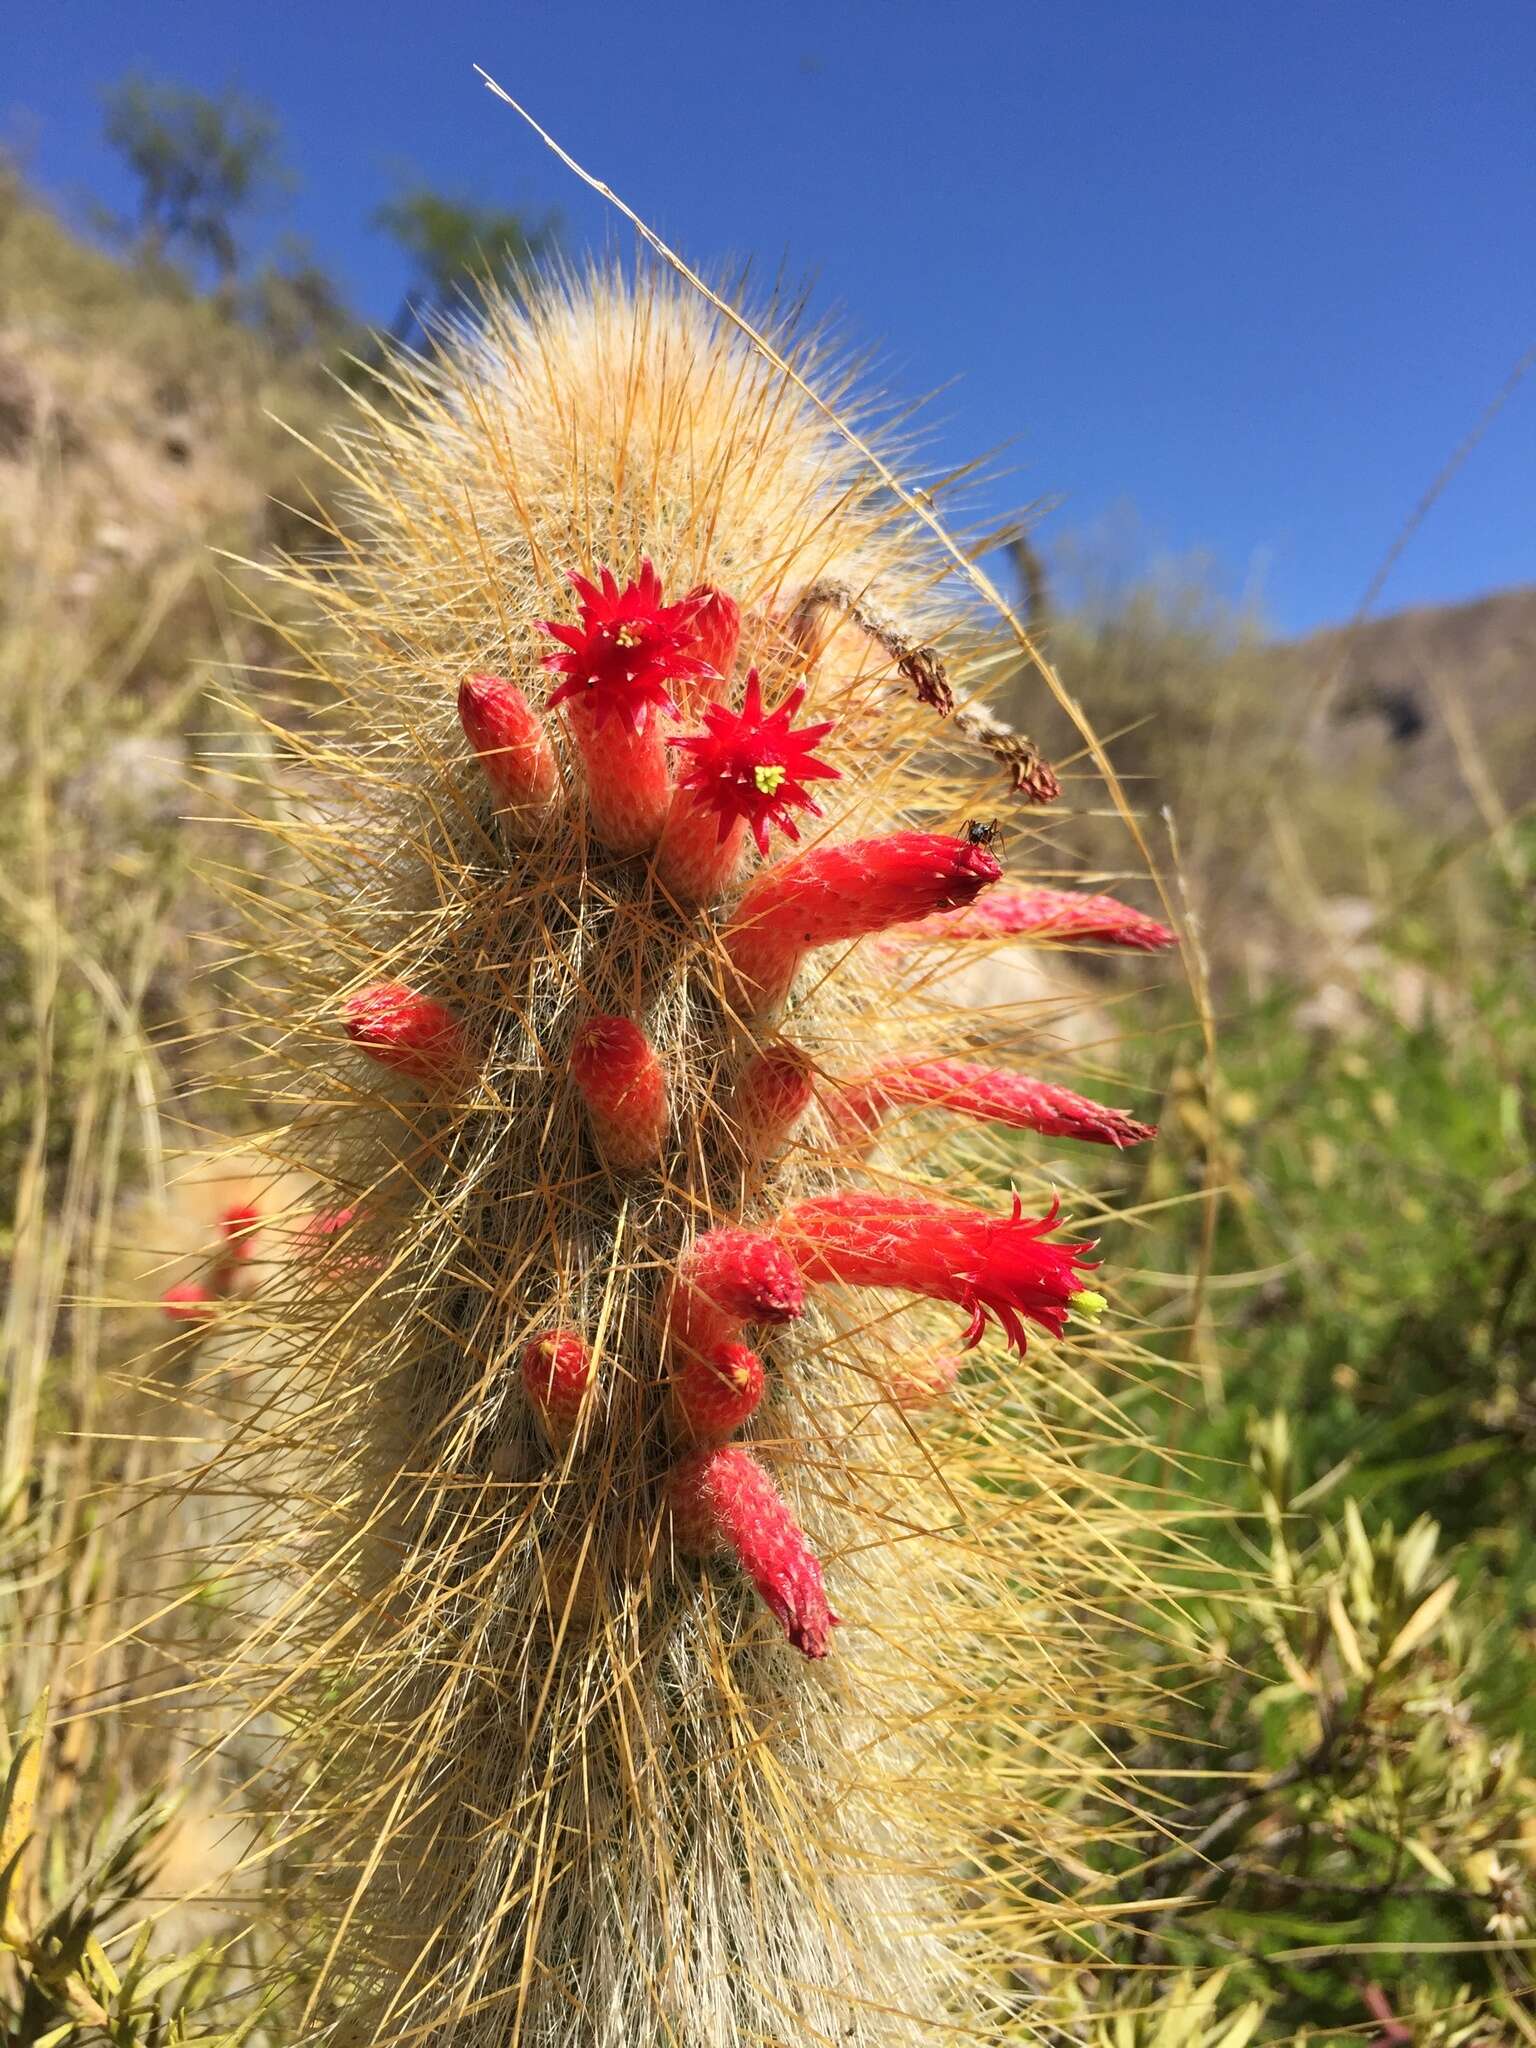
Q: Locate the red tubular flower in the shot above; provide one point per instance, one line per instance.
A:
(997, 1266)
(509, 737)
(1058, 914)
(726, 1498)
(846, 891)
(713, 1396)
(724, 1279)
(716, 630)
(994, 1095)
(557, 1372)
(772, 1093)
(189, 1301)
(624, 1087)
(618, 664)
(747, 771)
(409, 1033)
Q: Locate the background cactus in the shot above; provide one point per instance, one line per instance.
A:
(670, 1626)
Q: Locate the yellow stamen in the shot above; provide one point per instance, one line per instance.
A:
(768, 777)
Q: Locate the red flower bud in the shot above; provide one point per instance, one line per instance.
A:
(726, 1498)
(772, 1093)
(846, 891)
(189, 1302)
(1058, 915)
(557, 1373)
(716, 621)
(509, 737)
(724, 1279)
(996, 1266)
(993, 1095)
(713, 1396)
(237, 1227)
(409, 1033)
(624, 1088)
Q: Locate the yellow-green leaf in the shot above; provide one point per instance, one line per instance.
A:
(1421, 1624)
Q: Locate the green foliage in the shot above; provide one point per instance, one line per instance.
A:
(199, 162)
(459, 249)
(1339, 1794)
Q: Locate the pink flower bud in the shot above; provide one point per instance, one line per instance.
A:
(624, 1088)
(713, 1396)
(406, 1032)
(509, 737)
(189, 1302)
(725, 1499)
(1055, 915)
(998, 1266)
(992, 1095)
(846, 891)
(557, 1373)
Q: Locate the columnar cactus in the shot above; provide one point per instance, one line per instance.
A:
(666, 1579)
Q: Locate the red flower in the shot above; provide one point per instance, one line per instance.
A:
(1056, 914)
(624, 1087)
(847, 891)
(751, 765)
(726, 1497)
(996, 1266)
(557, 1371)
(996, 1096)
(402, 1030)
(627, 649)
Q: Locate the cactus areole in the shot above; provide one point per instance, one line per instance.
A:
(666, 1563)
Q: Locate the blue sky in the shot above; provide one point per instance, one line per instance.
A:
(1251, 269)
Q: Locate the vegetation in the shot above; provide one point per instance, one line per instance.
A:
(1334, 1826)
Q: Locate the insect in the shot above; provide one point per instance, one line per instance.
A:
(983, 835)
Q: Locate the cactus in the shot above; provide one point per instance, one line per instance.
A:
(663, 1584)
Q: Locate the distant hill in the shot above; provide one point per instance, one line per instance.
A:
(1401, 697)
